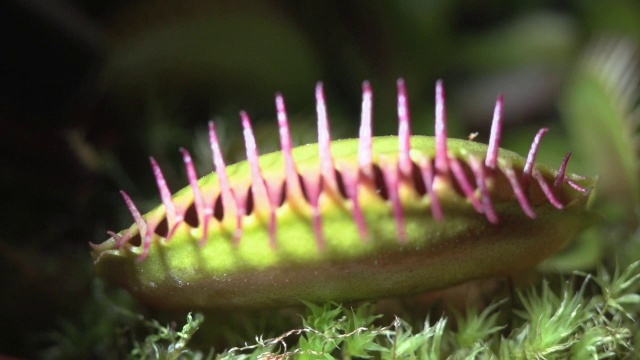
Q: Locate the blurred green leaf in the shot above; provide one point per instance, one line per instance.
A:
(600, 111)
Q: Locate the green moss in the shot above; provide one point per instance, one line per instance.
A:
(588, 316)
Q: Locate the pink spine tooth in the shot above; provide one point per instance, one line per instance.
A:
(174, 218)
(119, 239)
(142, 226)
(365, 149)
(465, 185)
(146, 242)
(391, 177)
(315, 185)
(313, 188)
(257, 181)
(229, 197)
(517, 190)
(259, 187)
(557, 184)
(478, 169)
(294, 189)
(327, 167)
(404, 130)
(204, 212)
(442, 155)
(531, 158)
(365, 155)
(291, 176)
(496, 135)
(147, 229)
(546, 189)
(575, 186)
(428, 177)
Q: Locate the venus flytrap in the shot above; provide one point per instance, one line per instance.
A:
(346, 220)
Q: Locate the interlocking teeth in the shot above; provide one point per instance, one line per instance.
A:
(354, 179)
(228, 196)
(442, 155)
(261, 194)
(265, 196)
(531, 158)
(491, 161)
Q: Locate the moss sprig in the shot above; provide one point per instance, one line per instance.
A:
(589, 319)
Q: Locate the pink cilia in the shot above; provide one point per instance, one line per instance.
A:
(268, 195)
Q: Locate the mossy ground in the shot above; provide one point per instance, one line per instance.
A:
(586, 317)
(580, 316)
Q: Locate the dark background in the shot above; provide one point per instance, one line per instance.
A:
(90, 89)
